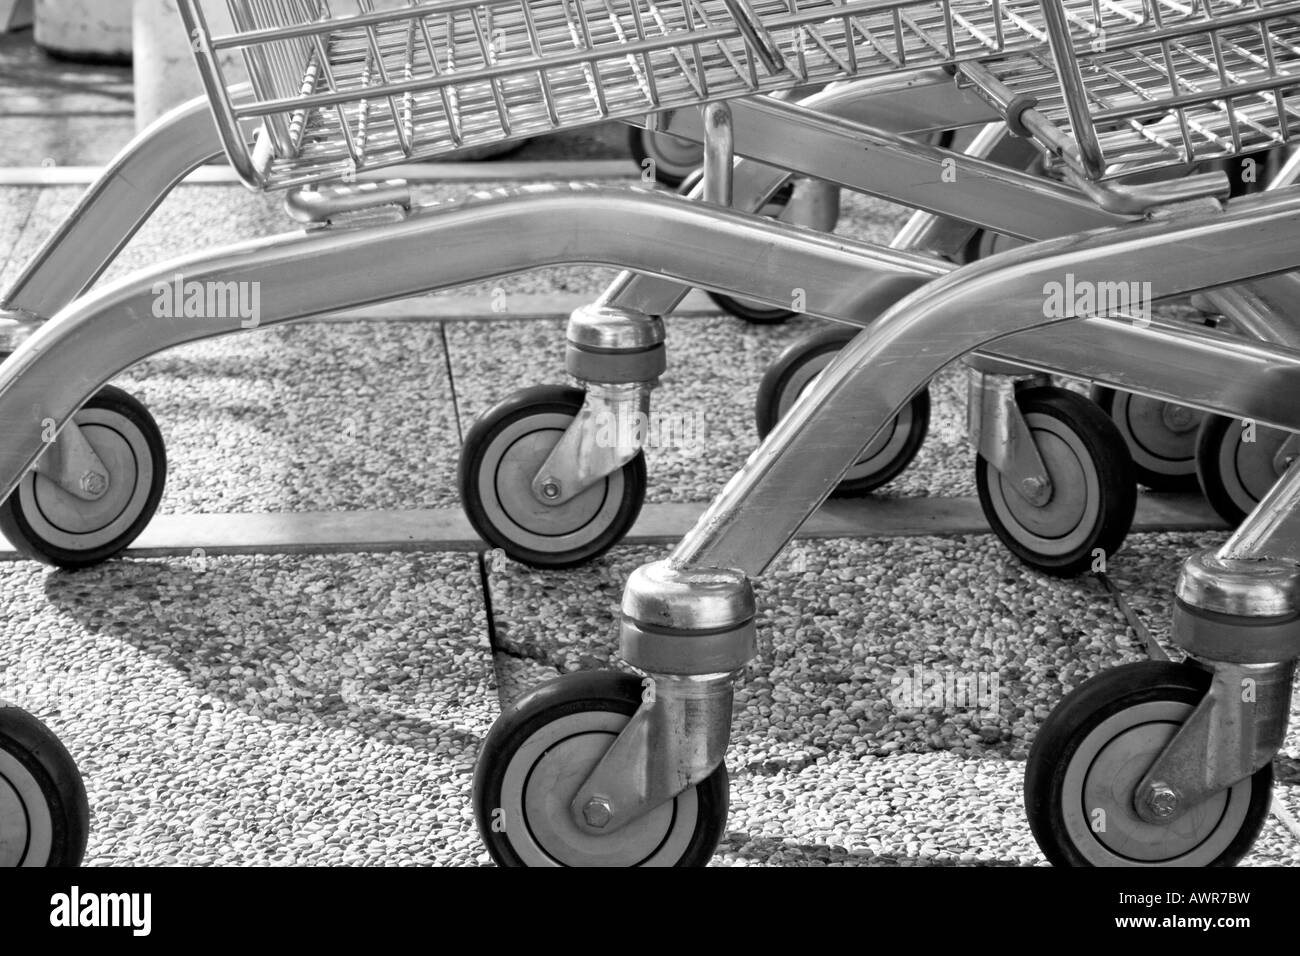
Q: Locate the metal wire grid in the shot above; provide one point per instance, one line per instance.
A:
(1181, 98)
(412, 78)
(1159, 81)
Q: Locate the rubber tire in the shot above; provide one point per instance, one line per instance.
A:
(1209, 440)
(1147, 477)
(750, 312)
(580, 692)
(43, 756)
(541, 399)
(636, 143)
(1111, 460)
(775, 380)
(17, 528)
(1086, 708)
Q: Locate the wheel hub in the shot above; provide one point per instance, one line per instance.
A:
(1101, 788)
(80, 516)
(506, 482)
(1066, 510)
(1179, 419)
(538, 790)
(551, 787)
(1252, 464)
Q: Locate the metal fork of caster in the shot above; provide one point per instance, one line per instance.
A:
(1093, 750)
(501, 456)
(44, 817)
(795, 369)
(50, 524)
(1237, 462)
(541, 750)
(1093, 494)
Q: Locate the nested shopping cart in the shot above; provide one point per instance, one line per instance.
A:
(612, 769)
(1169, 443)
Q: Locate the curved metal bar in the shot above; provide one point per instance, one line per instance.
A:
(126, 193)
(803, 458)
(306, 274)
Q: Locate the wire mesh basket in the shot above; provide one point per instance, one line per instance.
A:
(1200, 80)
(347, 86)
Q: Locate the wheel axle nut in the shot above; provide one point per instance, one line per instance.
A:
(1032, 485)
(1179, 418)
(1162, 800)
(93, 483)
(551, 488)
(597, 813)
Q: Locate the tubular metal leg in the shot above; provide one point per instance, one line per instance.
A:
(813, 204)
(948, 237)
(110, 212)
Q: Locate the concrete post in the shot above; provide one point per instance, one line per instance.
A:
(165, 75)
(97, 30)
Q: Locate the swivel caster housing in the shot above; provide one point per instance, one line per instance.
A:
(555, 475)
(605, 769)
(1170, 764)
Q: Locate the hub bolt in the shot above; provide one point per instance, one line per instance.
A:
(597, 813)
(1163, 800)
(93, 483)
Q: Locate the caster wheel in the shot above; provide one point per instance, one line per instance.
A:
(502, 453)
(44, 818)
(541, 750)
(1093, 493)
(886, 457)
(674, 158)
(1161, 437)
(1090, 754)
(46, 523)
(1234, 473)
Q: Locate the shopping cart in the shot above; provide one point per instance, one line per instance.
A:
(90, 529)
(534, 499)
(332, 96)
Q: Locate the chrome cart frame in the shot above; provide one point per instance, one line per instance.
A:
(688, 623)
